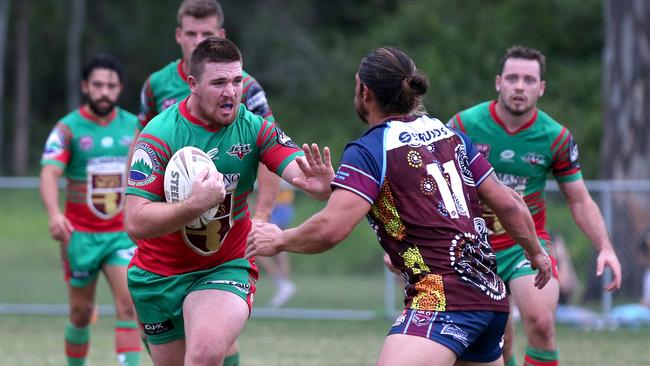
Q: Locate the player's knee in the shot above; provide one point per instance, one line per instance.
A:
(124, 309)
(542, 326)
(81, 314)
(205, 355)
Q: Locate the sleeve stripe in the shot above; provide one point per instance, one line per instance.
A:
(360, 172)
(481, 179)
(558, 138)
(461, 126)
(354, 191)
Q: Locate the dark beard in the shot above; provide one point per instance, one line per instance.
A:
(99, 111)
(513, 111)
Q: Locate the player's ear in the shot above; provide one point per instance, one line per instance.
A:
(542, 88)
(178, 32)
(193, 84)
(497, 83)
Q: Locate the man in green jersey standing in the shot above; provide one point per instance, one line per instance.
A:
(89, 147)
(524, 145)
(192, 287)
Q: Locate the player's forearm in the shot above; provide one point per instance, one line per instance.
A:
(517, 221)
(589, 219)
(49, 190)
(316, 235)
(153, 219)
(267, 189)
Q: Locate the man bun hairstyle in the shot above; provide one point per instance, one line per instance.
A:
(213, 49)
(396, 83)
(103, 61)
(200, 9)
(525, 53)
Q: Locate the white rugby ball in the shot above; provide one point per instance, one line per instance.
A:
(183, 166)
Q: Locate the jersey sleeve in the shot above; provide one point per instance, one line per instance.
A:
(57, 147)
(478, 164)
(456, 123)
(254, 98)
(148, 108)
(360, 172)
(276, 148)
(150, 158)
(565, 165)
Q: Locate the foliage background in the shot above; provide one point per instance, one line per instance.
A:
(305, 53)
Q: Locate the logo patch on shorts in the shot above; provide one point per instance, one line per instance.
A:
(243, 287)
(158, 328)
(422, 318)
(455, 332)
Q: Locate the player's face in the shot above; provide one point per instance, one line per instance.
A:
(194, 30)
(102, 89)
(359, 107)
(520, 85)
(218, 92)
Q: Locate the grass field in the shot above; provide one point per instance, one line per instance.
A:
(37, 340)
(348, 277)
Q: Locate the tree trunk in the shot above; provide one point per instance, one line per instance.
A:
(73, 57)
(625, 148)
(21, 111)
(4, 22)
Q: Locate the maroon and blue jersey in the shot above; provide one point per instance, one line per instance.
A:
(421, 179)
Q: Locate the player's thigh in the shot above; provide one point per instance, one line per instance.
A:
(401, 349)
(116, 278)
(213, 317)
(533, 302)
(168, 354)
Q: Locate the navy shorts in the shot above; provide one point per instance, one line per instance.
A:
(475, 336)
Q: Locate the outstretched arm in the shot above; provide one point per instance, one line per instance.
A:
(319, 233)
(312, 173)
(512, 212)
(588, 217)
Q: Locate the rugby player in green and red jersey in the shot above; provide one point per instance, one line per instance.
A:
(192, 288)
(524, 145)
(89, 146)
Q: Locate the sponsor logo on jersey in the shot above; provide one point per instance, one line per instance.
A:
(484, 149)
(106, 141)
(422, 318)
(239, 150)
(257, 100)
(143, 165)
(158, 328)
(534, 158)
(284, 139)
(105, 185)
(168, 103)
(415, 139)
(85, 143)
(573, 150)
(455, 332)
(212, 153)
(53, 145)
(126, 253)
(126, 140)
(507, 155)
(517, 183)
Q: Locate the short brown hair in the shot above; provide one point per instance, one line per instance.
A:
(526, 53)
(396, 83)
(200, 9)
(213, 49)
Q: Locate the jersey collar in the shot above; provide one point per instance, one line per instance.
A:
(181, 73)
(83, 110)
(185, 112)
(495, 117)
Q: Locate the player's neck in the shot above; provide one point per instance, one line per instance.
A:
(513, 122)
(102, 120)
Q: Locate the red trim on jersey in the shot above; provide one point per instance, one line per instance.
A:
(261, 138)
(495, 117)
(461, 126)
(247, 79)
(558, 138)
(85, 113)
(181, 73)
(185, 112)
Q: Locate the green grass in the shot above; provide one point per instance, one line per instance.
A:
(37, 340)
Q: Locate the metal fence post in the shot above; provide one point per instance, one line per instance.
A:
(607, 204)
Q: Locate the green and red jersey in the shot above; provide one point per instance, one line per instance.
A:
(168, 86)
(522, 159)
(93, 158)
(237, 150)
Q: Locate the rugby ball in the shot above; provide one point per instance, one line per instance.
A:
(183, 166)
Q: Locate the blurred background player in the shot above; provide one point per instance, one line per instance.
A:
(278, 266)
(198, 20)
(89, 146)
(524, 145)
(418, 183)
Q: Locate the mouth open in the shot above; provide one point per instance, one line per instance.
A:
(227, 107)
